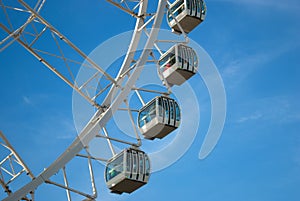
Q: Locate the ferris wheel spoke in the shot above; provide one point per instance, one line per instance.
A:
(117, 140)
(127, 6)
(109, 141)
(138, 138)
(31, 38)
(101, 117)
(10, 23)
(115, 89)
(67, 41)
(142, 26)
(6, 15)
(68, 185)
(129, 57)
(151, 91)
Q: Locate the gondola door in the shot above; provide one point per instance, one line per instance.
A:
(134, 172)
(189, 59)
(141, 165)
(193, 7)
(128, 172)
(179, 59)
(184, 57)
(199, 7)
(172, 113)
(166, 110)
(159, 109)
(177, 115)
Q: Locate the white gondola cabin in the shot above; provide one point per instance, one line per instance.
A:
(178, 64)
(159, 117)
(188, 13)
(127, 171)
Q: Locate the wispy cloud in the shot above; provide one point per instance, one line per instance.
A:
(35, 99)
(255, 116)
(237, 67)
(27, 100)
(280, 109)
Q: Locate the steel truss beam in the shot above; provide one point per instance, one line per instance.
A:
(128, 6)
(68, 187)
(131, 68)
(11, 167)
(101, 117)
(31, 35)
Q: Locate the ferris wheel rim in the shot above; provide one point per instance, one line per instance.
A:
(81, 140)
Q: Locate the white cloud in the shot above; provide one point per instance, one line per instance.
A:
(237, 68)
(279, 109)
(35, 99)
(27, 100)
(250, 117)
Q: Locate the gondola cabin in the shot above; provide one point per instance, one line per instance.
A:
(159, 117)
(127, 171)
(178, 64)
(188, 13)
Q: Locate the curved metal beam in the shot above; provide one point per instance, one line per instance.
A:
(99, 119)
(130, 52)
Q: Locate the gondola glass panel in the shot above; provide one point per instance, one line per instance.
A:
(114, 168)
(188, 13)
(127, 171)
(177, 110)
(159, 117)
(180, 67)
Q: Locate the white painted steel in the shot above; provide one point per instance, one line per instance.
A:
(101, 117)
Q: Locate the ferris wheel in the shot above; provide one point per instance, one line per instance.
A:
(130, 168)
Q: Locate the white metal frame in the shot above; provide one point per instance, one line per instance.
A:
(111, 103)
(16, 167)
(66, 72)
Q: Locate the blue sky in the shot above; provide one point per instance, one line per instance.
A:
(255, 46)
